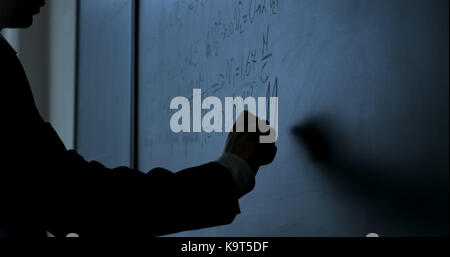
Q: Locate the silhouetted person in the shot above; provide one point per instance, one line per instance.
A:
(44, 187)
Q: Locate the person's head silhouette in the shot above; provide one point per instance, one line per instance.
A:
(18, 13)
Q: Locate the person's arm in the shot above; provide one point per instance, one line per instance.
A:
(99, 201)
(92, 200)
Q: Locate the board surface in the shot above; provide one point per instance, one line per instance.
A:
(104, 81)
(363, 107)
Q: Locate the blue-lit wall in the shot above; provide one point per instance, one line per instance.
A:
(363, 91)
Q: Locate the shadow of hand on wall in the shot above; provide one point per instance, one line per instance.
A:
(409, 202)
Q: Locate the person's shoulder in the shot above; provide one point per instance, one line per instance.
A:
(8, 58)
(5, 47)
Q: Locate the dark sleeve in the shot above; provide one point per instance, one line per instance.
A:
(92, 200)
